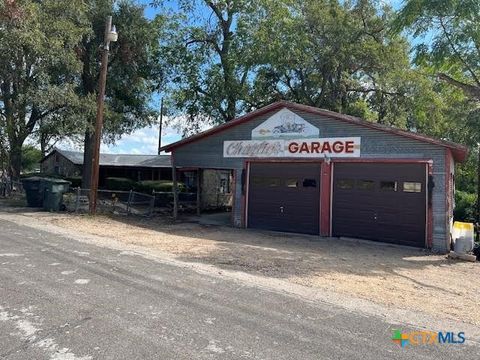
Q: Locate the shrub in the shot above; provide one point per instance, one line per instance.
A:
(148, 186)
(40, 174)
(464, 206)
(119, 183)
(76, 181)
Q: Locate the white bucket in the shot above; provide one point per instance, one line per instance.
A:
(462, 235)
(463, 245)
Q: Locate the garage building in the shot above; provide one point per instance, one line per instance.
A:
(301, 169)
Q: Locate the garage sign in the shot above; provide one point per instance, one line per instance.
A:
(293, 148)
(285, 124)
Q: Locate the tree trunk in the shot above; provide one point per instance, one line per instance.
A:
(230, 87)
(3, 162)
(15, 160)
(87, 159)
(43, 144)
(478, 190)
(3, 157)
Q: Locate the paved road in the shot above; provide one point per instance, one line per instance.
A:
(65, 300)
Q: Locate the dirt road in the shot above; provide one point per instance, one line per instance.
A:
(397, 277)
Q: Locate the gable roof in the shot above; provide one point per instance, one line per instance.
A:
(459, 151)
(150, 161)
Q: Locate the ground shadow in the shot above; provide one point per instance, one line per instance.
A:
(284, 255)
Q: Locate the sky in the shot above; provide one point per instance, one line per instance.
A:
(145, 140)
(142, 141)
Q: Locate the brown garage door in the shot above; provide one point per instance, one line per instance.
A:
(284, 197)
(385, 202)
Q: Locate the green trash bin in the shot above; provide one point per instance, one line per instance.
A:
(53, 193)
(33, 187)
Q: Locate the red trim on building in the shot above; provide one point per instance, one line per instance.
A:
(325, 198)
(288, 160)
(245, 197)
(243, 190)
(381, 160)
(429, 211)
(349, 160)
(448, 196)
(330, 226)
(234, 193)
(459, 151)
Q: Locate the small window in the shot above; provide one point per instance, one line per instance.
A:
(273, 182)
(266, 181)
(309, 183)
(345, 184)
(388, 185)
(259, 181)
(411, 187)
(292, 183)
(189, 178)
(224, 184)
(365, 184)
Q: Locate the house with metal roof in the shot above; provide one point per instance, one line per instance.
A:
(135, 167)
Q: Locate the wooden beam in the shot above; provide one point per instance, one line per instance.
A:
(325, 196)
(199, 191)
(175, 188)
(466, 257)
(160, 125)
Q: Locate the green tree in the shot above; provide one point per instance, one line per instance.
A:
(31, 157)
(211, 57)
(38, 64)
(340, 56)
(448, 36)
(57, 127)
(331, 54)
(451, 39)
(134, 74)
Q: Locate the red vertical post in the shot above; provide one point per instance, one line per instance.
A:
(325, 185)
(245, 196)
(448, 196)
(233, 191)
(174, 187)
(430, 212)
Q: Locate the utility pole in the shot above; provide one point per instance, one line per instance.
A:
(110, 35)
(160, 127)
(477, 223)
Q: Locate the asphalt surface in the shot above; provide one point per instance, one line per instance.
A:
(65, 300)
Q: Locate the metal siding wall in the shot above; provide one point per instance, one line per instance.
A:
(237, 211)
(208, 153)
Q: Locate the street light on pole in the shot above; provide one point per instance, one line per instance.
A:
(110, 36)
